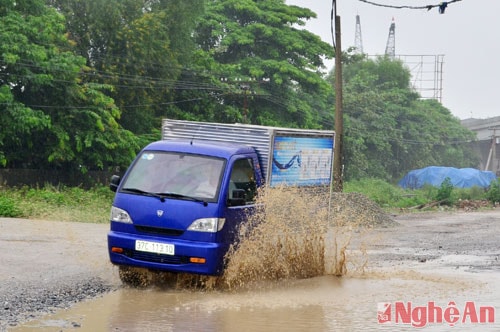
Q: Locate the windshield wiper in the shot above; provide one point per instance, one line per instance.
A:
(146, 193)
(181, 196)
(162, 196)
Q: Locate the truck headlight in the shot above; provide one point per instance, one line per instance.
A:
(210, 225)
(120, 215)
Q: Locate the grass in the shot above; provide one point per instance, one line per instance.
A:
(57, 203)
(389, 196)
(76, 204)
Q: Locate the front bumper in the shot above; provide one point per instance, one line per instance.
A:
(181, 261)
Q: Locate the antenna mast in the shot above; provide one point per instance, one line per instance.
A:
(358, 39)
(390, 48)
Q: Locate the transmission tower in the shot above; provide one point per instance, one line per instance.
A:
(427, 74)
(358, 40)
(390, 48)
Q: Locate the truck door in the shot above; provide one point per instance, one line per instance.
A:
(241, 194)
(243, 178)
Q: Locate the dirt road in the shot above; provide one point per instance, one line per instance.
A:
(468, 241)
(45, 266)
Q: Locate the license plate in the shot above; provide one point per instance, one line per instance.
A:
(155, 247)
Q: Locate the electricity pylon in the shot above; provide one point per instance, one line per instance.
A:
(390, 48)
(358, 40)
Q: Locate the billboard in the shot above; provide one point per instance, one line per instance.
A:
(301, 161)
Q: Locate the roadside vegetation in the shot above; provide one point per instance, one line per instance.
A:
(92, 89)
(62, 203)
(390, 197)
(57, 203)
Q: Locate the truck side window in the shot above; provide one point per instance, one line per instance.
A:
(242, 177)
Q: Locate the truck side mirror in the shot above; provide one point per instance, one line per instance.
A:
(114, 182)
(237, 198)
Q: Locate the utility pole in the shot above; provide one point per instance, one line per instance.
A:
(339, 121)
(247, 86)
(492, 154)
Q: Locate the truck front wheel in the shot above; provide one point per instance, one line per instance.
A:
(135, 276)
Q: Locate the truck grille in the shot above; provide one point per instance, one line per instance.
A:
(159, 231)
(156, 258)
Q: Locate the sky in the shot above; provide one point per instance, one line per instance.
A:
(466, 39)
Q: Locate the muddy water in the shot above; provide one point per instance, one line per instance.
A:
(450, 261)
(324, 303)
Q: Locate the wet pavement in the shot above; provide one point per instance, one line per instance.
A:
(436, 271)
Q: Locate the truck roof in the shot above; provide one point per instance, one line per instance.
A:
(216, 149)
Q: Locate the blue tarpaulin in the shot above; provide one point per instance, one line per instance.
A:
(435, 175)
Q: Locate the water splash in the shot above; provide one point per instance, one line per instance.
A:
(288, 241)
(294, 234)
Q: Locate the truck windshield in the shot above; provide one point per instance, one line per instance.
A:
(176, 175)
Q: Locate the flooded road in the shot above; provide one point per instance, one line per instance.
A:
(317, 304)
(432, 270)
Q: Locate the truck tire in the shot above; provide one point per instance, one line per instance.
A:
(135, 276)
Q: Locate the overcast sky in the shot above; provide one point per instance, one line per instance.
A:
(466, 35)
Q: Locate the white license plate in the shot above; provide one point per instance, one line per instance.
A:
(155, 247)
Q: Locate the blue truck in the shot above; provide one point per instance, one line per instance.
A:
(179, 205)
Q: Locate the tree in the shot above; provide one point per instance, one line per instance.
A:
(16, 119)
(259, 50)
(138, 47)
(49, 116)
(389, 130)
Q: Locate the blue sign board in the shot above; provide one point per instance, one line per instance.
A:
(302, 161)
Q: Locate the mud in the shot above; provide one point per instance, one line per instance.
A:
(62, 269)
(46, 266)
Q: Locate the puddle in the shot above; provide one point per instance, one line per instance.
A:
(409, 267)
(324, 303)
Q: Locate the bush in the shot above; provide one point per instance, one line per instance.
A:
(474, 193)
(493, 194)
(8, 208)
(444, 192)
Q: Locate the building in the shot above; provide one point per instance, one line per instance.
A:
(488, 145)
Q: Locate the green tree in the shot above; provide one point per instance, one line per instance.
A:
(268, 61)
(138, 47)
(18, 120)
(49, 116)
(389, 130)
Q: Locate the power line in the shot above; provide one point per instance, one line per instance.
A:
(441, 6)
(153, 82)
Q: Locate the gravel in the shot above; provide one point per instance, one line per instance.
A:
(46, 266)
(358, 209)
(25, 301)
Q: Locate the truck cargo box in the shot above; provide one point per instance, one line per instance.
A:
(300, 157)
